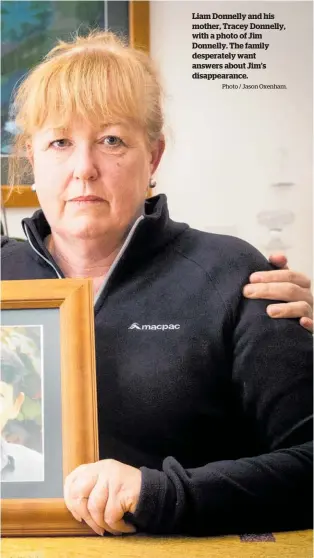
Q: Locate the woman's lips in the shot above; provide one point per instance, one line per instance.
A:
(87, 199)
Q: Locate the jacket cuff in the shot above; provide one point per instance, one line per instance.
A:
(157, 501)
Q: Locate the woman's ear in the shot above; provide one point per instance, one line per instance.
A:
(157, 153)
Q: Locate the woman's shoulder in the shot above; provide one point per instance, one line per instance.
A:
(221, 253)
(9, 246)
(17, 261)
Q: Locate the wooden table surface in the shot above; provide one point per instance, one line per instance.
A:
(297, 544)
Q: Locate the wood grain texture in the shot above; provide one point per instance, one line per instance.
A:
(74, 298)
(139, 24)
(288, 545)
(19, 196)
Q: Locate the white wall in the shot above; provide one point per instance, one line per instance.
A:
(14, 217)
(226, 148)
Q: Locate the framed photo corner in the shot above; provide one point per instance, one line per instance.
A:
(49, 401)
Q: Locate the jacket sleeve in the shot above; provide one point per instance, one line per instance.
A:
(271, 490)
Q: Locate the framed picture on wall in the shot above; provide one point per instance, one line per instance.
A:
(29, 30)
(48, 410)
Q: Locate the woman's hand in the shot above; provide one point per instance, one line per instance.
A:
(101, 493)
(283, 284)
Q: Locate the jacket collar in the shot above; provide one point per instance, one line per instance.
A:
(153, 232)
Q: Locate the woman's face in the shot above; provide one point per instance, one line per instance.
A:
(92, 182)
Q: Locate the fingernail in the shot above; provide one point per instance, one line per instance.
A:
(101, 533)
(248, 290)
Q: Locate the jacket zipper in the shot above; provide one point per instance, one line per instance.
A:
(118, 258)
(41, 255)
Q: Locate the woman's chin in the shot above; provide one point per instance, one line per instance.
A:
(85, 227)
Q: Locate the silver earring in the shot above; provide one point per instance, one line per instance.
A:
(33, 187)
(152, 183)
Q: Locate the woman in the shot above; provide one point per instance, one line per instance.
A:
(203, 400)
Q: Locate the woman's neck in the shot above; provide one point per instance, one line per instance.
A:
(82, 258)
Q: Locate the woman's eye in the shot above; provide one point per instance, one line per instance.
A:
(60, 143)
(112, 141)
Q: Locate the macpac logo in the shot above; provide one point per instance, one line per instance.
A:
(135, 326)
(160, 327)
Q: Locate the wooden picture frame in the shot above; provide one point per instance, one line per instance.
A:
(139, 32)
(74, 300)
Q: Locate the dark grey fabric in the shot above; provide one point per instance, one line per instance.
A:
(196, 384)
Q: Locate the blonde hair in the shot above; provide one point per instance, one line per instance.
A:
(98, 78)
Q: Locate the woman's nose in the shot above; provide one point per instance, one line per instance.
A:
(85, 165)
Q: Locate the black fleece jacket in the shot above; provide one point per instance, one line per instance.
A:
(197, 386)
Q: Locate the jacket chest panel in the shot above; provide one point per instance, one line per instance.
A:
(162, 369)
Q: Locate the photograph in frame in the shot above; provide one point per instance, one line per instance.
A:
(48, 401)
(21, 404)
